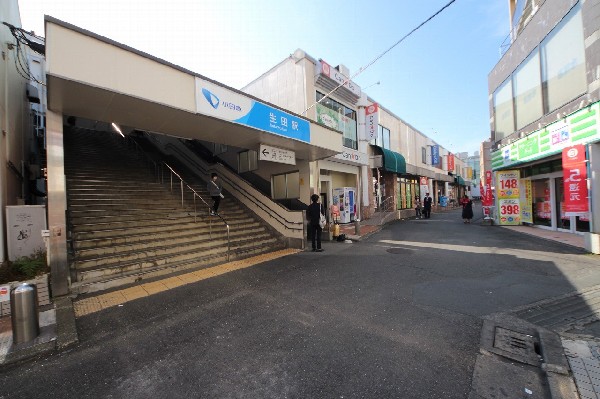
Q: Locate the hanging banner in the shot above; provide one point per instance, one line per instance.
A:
(487, 198)
(371, 121)
(575, 180)
(507, 187)
(450, 162)
(435, 155)
(526, 202)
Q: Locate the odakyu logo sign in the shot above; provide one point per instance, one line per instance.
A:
(223, 103)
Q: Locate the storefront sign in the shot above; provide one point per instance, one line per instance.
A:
(450, 162)
(424, 186)
(274, 154)
(225, 104)
(371, 121)
(507, 187)
(4, 293)
(353, 157)
(435, 155)
(526, 201)
(336, 75)
(581, 127)
(575, 180)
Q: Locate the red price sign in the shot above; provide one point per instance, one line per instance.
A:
(509, 183)
(510, 210)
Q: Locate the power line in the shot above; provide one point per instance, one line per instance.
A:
(362, 69)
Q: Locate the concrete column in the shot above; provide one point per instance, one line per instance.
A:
(57, 204)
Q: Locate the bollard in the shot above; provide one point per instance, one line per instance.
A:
(24, 313)
(357, 227)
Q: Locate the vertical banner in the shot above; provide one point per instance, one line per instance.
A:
(450, 162)
(486, 193)
(526, 201)
(507, 187)
(424, 186)
(435, 155)
(575, 180)
(371, 121)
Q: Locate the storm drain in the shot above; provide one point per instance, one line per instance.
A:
(517, 346)
(400, 251)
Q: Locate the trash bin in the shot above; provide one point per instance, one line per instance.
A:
(357, 227)
(24, 313)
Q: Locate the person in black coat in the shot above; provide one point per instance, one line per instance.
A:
(313, 214)
(427, 206)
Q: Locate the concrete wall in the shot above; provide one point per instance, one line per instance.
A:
(14, 117)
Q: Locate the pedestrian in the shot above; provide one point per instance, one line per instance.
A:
(313, 214)
(427, 206)
(214, 190)
(467, 209)
(418, 207)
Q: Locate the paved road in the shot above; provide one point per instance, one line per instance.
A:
(395, 316)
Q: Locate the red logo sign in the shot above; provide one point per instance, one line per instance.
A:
(575, 179)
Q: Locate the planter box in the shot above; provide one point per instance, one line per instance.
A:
(43, 292)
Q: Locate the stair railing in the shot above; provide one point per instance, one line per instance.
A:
(195, 194)
(386, 208)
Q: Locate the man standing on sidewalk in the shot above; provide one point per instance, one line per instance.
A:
(427, 206)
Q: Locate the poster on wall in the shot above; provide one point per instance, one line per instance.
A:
(509, 207)
(575, 180)
(526, 202)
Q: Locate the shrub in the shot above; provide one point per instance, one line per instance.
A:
(31, 266)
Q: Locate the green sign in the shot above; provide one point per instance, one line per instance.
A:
(580, 127)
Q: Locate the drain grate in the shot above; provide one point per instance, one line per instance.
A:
(521, 346)
(400, 251)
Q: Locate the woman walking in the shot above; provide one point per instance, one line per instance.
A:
(467, 209)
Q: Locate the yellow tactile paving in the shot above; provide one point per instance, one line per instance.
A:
(95, 304)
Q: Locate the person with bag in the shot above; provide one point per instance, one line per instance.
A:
(214, 190)
(467, 211)
(317, 221)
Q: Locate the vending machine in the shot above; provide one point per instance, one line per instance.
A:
(345, 198)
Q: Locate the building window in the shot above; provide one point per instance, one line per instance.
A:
(339, 117)
(286, 186)
(247, 161)
(383, 137)
(528, 91)
(408, 190)
(563, 66)
(424, 155)
(504, 123)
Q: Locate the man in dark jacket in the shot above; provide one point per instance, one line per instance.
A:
(427, 206)
(214, 190)
(313, 214)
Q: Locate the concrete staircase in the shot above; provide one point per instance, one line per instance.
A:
(126, 226)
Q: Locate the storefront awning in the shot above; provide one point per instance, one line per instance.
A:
(392, 161)
(460, 180)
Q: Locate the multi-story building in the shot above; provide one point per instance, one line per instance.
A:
(385, 161)
(544, 101)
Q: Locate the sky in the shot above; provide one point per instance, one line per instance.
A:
(435, 80)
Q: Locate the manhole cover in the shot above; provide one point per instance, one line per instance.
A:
(399, 251)
(523, 346)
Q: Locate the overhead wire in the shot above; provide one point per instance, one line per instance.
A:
(21, 63)
(362, 69)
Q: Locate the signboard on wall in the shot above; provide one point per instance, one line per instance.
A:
(334, 74)
(581, 127)
(424, 186)
(575, 180)
(450, 162)
(435, 155)
(371, 121)
(526, 198)
(274, 154)
(336, 121)
(223, 103)
(507, 187)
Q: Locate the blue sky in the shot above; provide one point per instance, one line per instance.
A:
(436, 80)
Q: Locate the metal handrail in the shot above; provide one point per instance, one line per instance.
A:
(195, 194)
(160, 177)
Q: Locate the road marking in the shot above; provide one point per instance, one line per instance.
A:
(110, 299)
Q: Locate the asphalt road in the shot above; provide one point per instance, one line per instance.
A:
(397, 315)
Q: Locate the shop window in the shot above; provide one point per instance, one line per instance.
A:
(528, 91)
(286, 186)
(504, 121)
(383, 137)
(563, 61)
(408, 189)
(424, 155)
(542, 206)
(247, 161)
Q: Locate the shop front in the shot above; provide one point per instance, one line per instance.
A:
(387, 168)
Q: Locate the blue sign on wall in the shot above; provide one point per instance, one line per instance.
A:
(273, 120)
(435, 155)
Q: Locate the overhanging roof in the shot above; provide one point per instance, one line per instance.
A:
(96, 78)
(392, 161)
